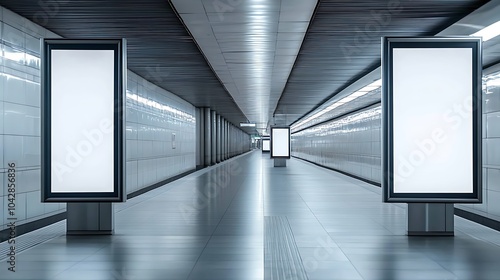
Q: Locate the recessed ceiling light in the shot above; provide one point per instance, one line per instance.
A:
(247, 124)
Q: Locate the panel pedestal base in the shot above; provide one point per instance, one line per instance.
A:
(431, 219)
(280, 162)
(94, 218)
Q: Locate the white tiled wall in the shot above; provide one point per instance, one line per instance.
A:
(344, 144)
(153, 115)
(350, 144)
(151, 120)
(491, 149)
(20, 115)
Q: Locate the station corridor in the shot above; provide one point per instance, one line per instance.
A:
(245, 219)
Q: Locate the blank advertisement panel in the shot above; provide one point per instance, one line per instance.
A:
(280, 142)
(431, 119)
(266, 144)
(82, 120)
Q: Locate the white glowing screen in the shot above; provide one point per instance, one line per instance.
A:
(280, 142)
(266, 145)
(432, 120)
(82, 99)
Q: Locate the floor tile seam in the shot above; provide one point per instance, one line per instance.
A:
(75, 262)
(343, 252)
(216, 227)
(470, 235)
(363, 186)
(263, 208)
(427, 255)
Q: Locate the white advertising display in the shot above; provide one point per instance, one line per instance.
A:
(432, 120)
(280, 141)
(266, 145)
(82, 108)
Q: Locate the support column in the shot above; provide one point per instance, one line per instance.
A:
(219, 139)
(431, 219)
(207, 138)
(89, 218)
(229, 137)
(226, 146)
(200, 154)
(213, 131)
(222, 137)
(231, 141)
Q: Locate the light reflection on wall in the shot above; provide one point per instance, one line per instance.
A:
(9, 76)
(162, 107)
(341, 125)
(350, 144)
(491, 81)
(20, 56)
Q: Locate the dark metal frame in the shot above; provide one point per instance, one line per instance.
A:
(289, 144)
(388, 44)
(120, 58)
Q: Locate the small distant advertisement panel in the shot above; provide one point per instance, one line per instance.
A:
(83, 90)
(431, 120)
(280, 142)
(266, 144)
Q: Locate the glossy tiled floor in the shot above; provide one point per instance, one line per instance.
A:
(245, 219)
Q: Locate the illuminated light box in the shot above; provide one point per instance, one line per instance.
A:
(431, 120)
(280, 142)
(266, 144)
(83, 89)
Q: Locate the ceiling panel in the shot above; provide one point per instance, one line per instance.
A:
(242, 16)
(343, 44)
(160, 49)
(226, 7)
(259, 40)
